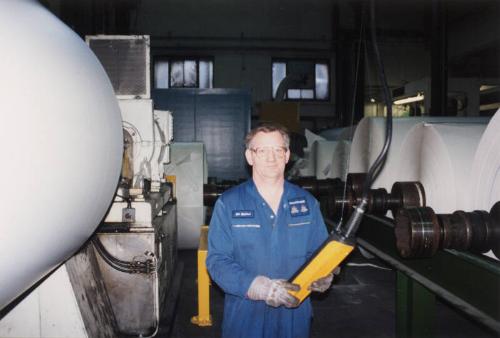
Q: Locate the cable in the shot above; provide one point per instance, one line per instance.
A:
(353, 106)
(368, 265)
(143, 267)
(353, 223)
(380, 161)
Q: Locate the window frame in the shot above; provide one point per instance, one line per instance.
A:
(181, 58)
(316, 61)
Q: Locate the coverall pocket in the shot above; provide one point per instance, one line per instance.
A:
(247, 236)
(297, 237)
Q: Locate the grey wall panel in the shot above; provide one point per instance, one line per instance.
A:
(219, 118)
(181, 102)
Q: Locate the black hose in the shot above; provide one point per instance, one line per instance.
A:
(144, 267)
(380, 161)
(354, 221)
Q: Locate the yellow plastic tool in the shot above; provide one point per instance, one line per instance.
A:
(322, 262)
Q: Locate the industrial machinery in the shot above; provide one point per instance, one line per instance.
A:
(420, 232)
(137, 242)
(339, 198)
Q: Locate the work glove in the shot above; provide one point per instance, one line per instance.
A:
(323, 284)
(273, 291)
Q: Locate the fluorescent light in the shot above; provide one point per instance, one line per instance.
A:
(418, 97)
(489, 106)
(372, 100)
(483, 88)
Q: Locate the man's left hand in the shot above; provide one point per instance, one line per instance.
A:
(323, 284)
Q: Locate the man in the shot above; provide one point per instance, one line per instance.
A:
(261, 232)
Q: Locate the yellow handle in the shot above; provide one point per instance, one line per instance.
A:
(321, 265)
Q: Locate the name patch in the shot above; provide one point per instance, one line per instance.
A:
(243, 214)
(298, 207)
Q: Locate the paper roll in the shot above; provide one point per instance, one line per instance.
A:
(331, 159)
(341, 161)
(307, 166)
(61, 141)
(324, 155)
(338, 134)
(485, 173)
(358, 159)
(369, 138)
(440, 156)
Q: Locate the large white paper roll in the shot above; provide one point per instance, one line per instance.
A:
(60, 141)
(359, 159)
(485, 172)
(338, 134)
(324, 155)
(369, 138)
(440, 156)
(341, 160)
(307, 166)
(331, 159)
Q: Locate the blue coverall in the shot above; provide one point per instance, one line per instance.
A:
(247, 239)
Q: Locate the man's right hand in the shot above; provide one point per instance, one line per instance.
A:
(273, 291)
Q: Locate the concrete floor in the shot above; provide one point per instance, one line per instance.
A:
(361, 303)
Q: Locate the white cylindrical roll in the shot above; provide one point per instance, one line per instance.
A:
(60, 141)
(338, 134)
(307, 165)
(369, 139)
(324, 151)
(358, 159)
(341, 159)
(331, 159)
(485, 173)
(440, 156)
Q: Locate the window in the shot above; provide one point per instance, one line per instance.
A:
(307, 80)
(183, 73)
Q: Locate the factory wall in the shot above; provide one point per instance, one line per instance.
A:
(243, 37)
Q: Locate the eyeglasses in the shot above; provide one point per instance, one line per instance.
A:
(263, 152)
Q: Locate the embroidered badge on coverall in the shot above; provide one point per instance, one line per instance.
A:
(298, 207)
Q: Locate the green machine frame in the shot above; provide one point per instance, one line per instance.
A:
(468, 282)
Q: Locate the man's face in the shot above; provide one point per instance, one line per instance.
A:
(268, 155)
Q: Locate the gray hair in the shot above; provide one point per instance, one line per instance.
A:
(268, 128)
